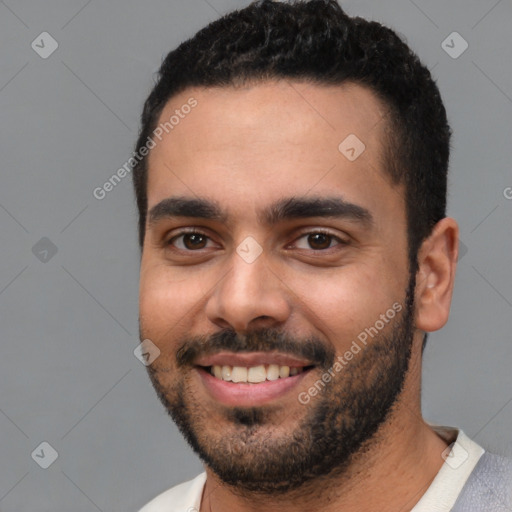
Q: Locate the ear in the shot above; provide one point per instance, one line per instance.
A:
(437, 262)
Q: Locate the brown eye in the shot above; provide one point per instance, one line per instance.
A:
(194, 241)
(189, 241)
(319, 241)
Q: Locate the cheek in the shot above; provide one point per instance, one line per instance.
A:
(344, 303)
(165, 300)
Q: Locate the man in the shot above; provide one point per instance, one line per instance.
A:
(295, 254)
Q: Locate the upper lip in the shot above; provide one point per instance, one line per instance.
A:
(248, 359)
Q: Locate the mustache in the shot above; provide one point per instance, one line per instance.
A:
(259, 340)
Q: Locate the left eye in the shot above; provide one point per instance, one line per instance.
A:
(317, 241)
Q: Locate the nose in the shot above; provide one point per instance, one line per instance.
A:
(249, 296)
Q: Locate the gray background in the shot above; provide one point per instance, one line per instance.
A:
(68, 375)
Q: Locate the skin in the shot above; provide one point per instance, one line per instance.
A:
(247, 148)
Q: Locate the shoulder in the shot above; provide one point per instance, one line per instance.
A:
(489, 485)
(494, 470)
(184, 497)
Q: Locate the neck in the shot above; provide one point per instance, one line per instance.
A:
(390, 472)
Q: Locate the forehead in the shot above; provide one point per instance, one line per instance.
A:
(295, 136)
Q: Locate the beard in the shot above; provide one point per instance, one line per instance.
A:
(250, 451)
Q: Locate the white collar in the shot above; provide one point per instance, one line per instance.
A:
(460, 459)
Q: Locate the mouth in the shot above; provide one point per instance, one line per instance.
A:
(251, 379)
(255, 374)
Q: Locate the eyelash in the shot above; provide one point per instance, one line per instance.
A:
(193, 231)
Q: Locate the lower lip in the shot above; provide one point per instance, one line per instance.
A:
(244, 394)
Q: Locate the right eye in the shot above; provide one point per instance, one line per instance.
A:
(189, 241)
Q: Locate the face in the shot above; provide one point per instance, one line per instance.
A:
(274, 279)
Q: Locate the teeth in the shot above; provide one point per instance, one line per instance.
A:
(254, 374)
(239, 374)
(257, 374)
(226, 373)
(273, 371)
(284, 371)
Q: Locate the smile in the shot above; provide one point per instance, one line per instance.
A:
(250, 379)
(254, 374)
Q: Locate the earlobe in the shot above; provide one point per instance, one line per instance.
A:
(437, 262)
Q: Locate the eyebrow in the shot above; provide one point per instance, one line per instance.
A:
(185, 207)
(327, 207)
(282, 210)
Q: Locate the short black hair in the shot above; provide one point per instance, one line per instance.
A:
(317, 42)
